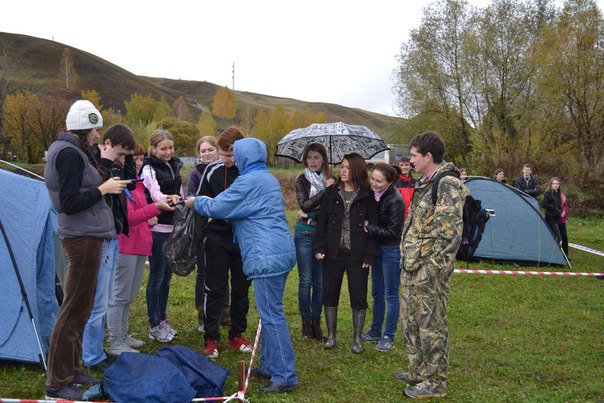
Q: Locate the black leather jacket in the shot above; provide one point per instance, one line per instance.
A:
(391, 216)
(329, 225)
(307, 204)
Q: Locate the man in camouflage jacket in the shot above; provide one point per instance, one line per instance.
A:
(431, 238)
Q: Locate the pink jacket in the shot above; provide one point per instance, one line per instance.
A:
(140, 241)
(564, 208)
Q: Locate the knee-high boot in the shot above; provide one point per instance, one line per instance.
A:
(331, 318)
(358, 320)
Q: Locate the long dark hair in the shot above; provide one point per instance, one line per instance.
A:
(358, 171)
(87, 149)
(321, 150)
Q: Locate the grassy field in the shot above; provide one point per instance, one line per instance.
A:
(513, 338)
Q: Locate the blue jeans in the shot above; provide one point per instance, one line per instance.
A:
(94, 332)
(276, 354)
(385, 285)
(158, 285)
(310, 289)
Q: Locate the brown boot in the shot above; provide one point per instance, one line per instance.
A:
(307, 331)
(316, 329)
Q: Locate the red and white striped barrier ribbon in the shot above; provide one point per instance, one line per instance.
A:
(586, 249)
(529, 273)
(249, 369)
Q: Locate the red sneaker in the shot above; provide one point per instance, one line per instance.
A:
(240, 343)
(211, 350)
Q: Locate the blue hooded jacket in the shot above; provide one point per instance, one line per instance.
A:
(254, 204)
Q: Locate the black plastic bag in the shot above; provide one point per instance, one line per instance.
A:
(184, 242)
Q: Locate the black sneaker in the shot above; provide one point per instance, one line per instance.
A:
(67, 392)
(85, 379)
(103, 365)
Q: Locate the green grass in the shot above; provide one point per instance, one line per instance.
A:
(513, 338)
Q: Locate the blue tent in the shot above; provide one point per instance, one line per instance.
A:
(28, 304)
(516, 231)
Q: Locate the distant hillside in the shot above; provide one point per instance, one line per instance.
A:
(34, 64)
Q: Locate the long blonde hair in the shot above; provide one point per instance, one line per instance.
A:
(157, 137)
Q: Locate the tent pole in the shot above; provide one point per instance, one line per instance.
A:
(23, 293)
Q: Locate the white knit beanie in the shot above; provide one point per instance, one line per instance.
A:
(82, 116)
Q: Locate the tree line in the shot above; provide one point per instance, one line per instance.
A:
(30, 122)
(512, 82)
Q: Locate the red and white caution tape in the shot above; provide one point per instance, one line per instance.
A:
(530, 273)
(586, 249)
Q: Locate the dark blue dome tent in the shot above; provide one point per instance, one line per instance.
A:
(516, 231)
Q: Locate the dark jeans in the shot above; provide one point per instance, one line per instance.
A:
(564, 236)
(158, 285)
(222, 256)
(83, 255)
(310, 270)
(333, 275)
(554, 224)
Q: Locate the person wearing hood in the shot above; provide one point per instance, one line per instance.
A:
(431, 238)
(255, 206)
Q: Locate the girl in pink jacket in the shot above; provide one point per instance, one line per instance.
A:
(134, 250)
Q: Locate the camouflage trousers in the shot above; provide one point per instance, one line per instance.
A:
(425, 293)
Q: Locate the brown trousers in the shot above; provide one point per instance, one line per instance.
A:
(83, 255)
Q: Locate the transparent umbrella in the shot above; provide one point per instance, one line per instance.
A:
(338, 139)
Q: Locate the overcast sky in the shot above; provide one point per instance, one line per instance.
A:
(336, 51)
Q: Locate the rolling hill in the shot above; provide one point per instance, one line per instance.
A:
(33, 63)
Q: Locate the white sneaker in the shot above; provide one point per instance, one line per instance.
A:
(134, 343)
(165, 324)
(201, 328)
(160, 333)
(119, 347)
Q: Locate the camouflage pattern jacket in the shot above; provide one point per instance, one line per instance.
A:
(432, 233)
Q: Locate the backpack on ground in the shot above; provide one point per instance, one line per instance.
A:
(475, 218)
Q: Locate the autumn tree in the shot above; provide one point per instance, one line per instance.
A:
(206, 123)
(51, 118)
(94, 97)
(12, 76)
(142, 110)
(20, 124)
(162, 109)
(181, 110)
(67, 71)
(434, 74)
(224, 104)
(571, 80)
(185, 135)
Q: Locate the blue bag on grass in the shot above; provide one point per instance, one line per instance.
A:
(175, 374)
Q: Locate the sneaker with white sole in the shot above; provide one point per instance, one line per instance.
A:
(425, 391)
(118, 347)
(240, 343)
(134, 343)
(160, 333)
(368, 337)
(165, 324)
(211, 349)
(385, 344)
